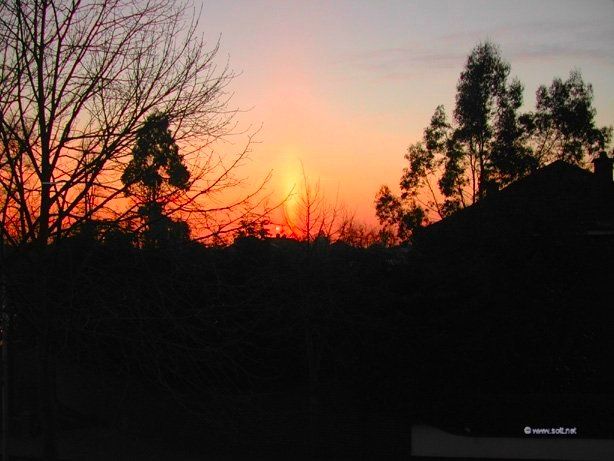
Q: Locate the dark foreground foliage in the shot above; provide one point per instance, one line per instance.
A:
(272, 341)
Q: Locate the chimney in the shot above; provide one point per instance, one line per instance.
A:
(603, 168)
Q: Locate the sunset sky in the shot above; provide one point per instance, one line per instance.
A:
(345, 86)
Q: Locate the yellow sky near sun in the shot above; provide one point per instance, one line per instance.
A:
(345, 87)
(303, 127)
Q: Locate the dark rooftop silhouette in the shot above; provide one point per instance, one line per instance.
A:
(558, 200)
(523, 278)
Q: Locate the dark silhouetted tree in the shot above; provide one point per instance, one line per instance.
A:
(398, 220)
(486, 134)
(154, 175)
(490, 144)
(77, 81)
(563, 125)
(309, 215)
(254, 227)
(356, 234)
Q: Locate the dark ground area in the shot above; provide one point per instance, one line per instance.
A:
(274, 349)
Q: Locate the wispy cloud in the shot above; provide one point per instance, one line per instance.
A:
(400, 63)
(557, 51)
(543, 40)
(537, 41)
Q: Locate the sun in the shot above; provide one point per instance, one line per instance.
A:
(291, 179)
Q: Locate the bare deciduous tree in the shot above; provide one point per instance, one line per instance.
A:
(77, 80)
(355, 233)
(312, 216)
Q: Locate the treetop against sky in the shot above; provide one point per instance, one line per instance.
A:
(346, 86)
(328, 93)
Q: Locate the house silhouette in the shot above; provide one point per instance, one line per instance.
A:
(558, 201)
(519, 299)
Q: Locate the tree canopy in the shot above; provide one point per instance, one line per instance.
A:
(488, 144)
(563, 125)
(153, 175)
